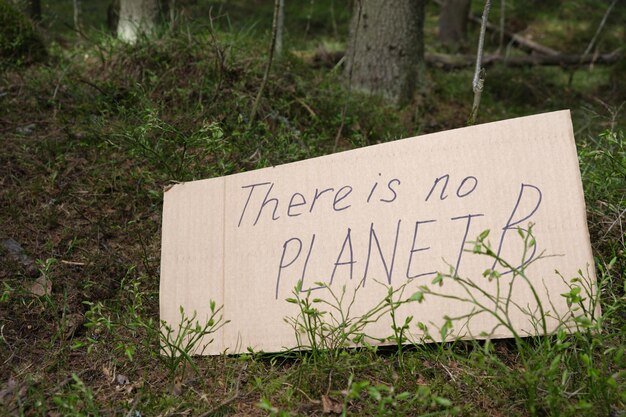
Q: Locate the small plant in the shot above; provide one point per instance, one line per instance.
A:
(77, 401)
(45, 267)
(189, 338)
(383, 400)
(399, 330)
(7, 291)
(264, 404)
(325, 326)
(603, 166)
(180, 154)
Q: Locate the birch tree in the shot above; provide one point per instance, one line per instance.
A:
(137, 18)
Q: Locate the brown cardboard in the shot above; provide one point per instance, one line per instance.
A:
(213, 250)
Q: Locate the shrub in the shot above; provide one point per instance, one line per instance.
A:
(19, 41)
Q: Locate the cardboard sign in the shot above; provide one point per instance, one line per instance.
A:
(388, 215)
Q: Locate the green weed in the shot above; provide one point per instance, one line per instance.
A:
(565, 362)
(130, 329)
(77, 401)
(178, 346)
(325, 326)
(181, 156)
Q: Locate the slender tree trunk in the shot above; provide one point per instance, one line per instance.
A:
(77, 13)
(502, 20)
(280, 28)
(453, 22)
(478, 82)
(137, 18)
(309, 17)
(386, 51)
(268, 67)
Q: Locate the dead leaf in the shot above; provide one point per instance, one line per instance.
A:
(122, 379)
(125, 389)
(176, 388)
(42, 286)
(331, 406)
(123, 384)
(7, 391)
(108, 374)
(72, 323)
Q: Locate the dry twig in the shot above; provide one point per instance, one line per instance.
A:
(270, 58)
(479, 73)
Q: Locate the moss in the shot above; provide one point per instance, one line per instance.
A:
(19, 41)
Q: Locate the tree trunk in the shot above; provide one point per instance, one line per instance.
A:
(453, 22)
(280, 28)
(386, 48)
(137, 18)
(113, 15)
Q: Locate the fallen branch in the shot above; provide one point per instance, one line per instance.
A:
(328, 59)
(522, 42)
(270, 58)
(463, 61)
(519, 40)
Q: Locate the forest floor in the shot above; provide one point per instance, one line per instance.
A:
(90, 139)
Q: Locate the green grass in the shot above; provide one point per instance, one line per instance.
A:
(111, 125)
